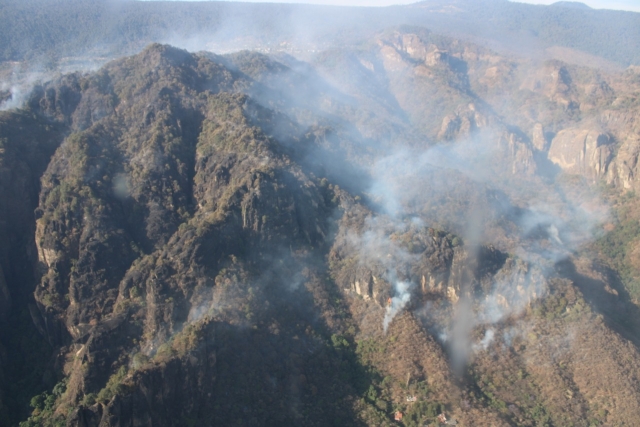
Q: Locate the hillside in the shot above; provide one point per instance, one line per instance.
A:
(416, 224)
(70, 32)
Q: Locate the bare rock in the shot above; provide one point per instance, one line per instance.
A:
(539, 141)
(518, 153)
(582, 151)
(624, 169)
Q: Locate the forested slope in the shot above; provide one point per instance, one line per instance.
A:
(46, 32)
(196, 239)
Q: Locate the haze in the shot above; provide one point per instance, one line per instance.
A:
(630, 5)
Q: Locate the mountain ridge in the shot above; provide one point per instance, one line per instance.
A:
(571, 4)
(198, 240)
(125, 27)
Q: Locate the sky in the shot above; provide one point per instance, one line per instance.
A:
(633, 5)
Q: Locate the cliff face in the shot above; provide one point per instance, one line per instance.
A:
(26, 145)
(580, 119)
(242, 239)
(582, 152)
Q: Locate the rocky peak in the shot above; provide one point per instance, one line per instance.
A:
(465, 121)
(553, 81)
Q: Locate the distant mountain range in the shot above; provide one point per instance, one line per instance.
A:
(49, 31)
(571, 4)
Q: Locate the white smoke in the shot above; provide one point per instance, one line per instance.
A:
(121, 186)
(377, 248)
(488, 338)
(15, 100)
(454, 186)
(398, 301)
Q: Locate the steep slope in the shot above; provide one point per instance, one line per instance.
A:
(27, 143)
(253, 240)
(177, 240)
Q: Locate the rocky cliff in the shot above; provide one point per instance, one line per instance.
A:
(582, 152)
(27, 143)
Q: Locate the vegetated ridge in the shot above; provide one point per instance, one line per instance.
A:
(254, 240)
(50, 33)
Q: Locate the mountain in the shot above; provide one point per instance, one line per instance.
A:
(79, 32)
(571, 4)
(342, 218)
(411, 226)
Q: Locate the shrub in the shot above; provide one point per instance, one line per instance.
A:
(114, 386)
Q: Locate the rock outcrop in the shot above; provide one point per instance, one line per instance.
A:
(539, 139)
(582, 152)
(624, 169)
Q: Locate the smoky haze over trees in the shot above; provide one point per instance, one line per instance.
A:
(47, 30)
(319, 216)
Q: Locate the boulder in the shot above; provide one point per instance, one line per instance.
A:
(582, 152)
